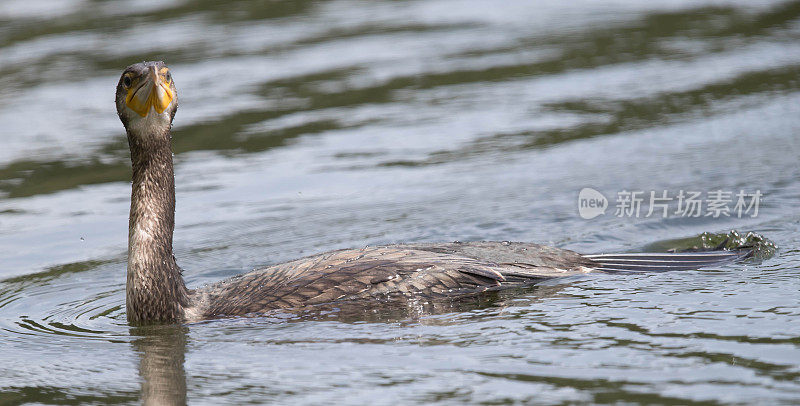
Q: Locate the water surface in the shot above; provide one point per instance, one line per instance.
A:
(306, 126)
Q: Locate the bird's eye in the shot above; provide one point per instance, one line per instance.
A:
(126, 81)
(168, 77)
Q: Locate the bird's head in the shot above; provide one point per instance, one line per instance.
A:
(147, 98)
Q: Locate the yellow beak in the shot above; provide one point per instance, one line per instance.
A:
(150, 90)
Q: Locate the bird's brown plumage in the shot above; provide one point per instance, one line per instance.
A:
(387, 274)
(147, 100)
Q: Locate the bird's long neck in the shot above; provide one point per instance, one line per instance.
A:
(155, 290)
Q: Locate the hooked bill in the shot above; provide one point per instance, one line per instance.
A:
(153, 89)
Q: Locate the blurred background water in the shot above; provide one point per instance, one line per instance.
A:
(306, 126)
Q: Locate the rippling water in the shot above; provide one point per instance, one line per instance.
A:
(308, 126)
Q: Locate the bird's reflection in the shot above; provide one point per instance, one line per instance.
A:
(161, 351)
(162, 348)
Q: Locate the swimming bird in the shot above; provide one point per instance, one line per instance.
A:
(146, 101)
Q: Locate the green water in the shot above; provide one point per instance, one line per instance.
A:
(308, 126)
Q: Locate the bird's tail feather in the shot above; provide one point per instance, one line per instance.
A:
(661, 262)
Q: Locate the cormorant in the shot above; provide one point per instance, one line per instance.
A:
(147, 100)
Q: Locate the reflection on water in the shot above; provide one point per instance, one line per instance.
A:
(306, 126)
(161, 349)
